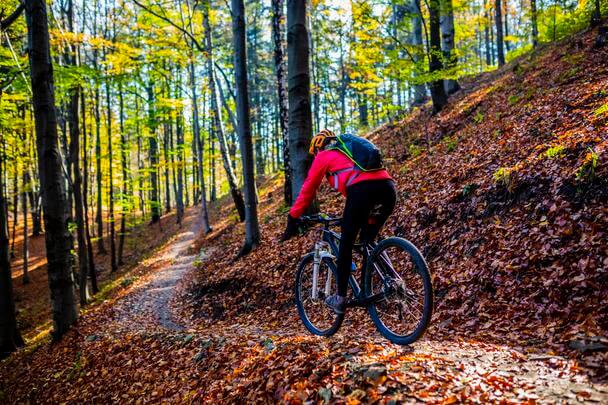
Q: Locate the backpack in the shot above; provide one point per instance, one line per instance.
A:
(364, 154)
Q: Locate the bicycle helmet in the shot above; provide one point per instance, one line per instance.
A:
(320, 140)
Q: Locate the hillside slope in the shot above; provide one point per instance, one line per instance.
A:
(505, 192)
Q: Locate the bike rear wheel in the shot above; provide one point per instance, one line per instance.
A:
(316, 316)
(397, 269)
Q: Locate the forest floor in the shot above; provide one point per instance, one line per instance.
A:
(139, 347)
(505, 192)
(33, 299)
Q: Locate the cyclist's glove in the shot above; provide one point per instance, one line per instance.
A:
(292, 228)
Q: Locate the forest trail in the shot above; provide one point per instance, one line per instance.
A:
(147, 305)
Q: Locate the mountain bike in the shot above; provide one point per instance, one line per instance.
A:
(396, 285)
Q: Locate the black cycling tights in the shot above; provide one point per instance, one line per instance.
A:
(368, 206)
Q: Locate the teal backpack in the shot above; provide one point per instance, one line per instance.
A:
(365, 156)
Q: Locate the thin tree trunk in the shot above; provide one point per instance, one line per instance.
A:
(113, 262)
(124, 148)
(153, 156)
(534, 20)
(252, 229)
(438, 95)
(300, 117)
(417, 41)
(15, 207)
(199, 151)
(218, 125)
(499, 33)
(98, 175)
(83, 261)
(54, 198)
(26, 185)
(179, 132)
(90, 256)
(448, 45)
(10, 338)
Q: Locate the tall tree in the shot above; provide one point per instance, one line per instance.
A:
(74, 158)
(198, 144)
(278, 24)
(500, 50)
(153, 154)
(218, 125)
(438, 95)
(52, 183)
(448, 45)
(417, 40)
(298, 70)
(10, 338)
(534, 22)
(252, 229)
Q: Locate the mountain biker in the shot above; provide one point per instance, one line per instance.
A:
(370, 199)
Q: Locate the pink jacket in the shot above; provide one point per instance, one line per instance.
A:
(338, 169)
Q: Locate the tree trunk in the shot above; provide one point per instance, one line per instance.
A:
(179, 132)
(534, 21)
(83, 261)
(278, 26)
(199, 151)
(486, 27)
(90, 257)
(153, 156)
(438, 95)
(26, 185)
(113, 262)
(596, 18)
(417, 41)
(252, 229)
(448, 45)
(506, 16)
(124, 149)
(218, 125)
(499, 33)
(52, 184)
(10, 338)
(15, 206)
(300, 117)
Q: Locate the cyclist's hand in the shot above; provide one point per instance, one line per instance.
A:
(292, 228)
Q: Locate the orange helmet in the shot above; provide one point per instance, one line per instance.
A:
(320, 140)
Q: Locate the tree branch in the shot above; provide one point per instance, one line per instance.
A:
(167, 20)
(4, 24)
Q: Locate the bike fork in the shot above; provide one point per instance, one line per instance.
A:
(320, 253)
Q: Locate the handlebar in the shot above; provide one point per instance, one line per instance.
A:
(321, 219)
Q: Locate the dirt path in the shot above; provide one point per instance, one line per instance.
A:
(147, 307)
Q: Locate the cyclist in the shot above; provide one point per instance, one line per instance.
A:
(370, 199)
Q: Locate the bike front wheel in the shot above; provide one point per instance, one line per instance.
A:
(398, 273)
(311, 292)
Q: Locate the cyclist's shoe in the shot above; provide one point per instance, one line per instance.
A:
(337, 303)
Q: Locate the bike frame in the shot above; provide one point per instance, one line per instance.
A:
(332, 239)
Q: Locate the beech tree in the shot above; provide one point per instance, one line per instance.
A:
(298, 71)
(52, 184)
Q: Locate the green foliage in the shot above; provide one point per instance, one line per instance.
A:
(478, 117)
(586, 171)
(557, 151)
(513, 99)
(469, 189)
(415, 150)
(517, 52)
(602, 110)
(450, 143)
(503, 177)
